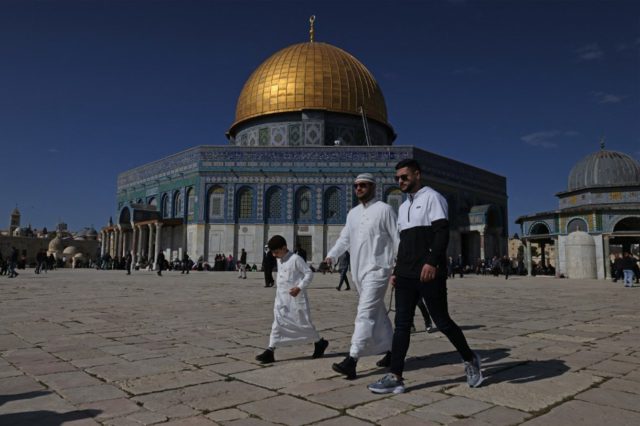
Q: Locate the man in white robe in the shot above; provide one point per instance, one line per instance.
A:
(370, 235)
(291, 312)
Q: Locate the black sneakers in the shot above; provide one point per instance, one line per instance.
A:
(266, 357)
(385, 361)
(346, 367)
(319, 347)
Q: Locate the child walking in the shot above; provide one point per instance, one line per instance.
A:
(291, 314)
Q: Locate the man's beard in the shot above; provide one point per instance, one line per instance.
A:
(366, 197)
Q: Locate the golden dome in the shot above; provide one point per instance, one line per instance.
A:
(310, 76)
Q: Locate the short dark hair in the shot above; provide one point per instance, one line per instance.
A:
(277, 242)
(410, 163)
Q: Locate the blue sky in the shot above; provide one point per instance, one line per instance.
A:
(90, 88)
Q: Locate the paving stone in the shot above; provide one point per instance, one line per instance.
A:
(40, 369)
(71, 379)
(420, 397)
(227, 414)
(78, 395)
(248, 422)
(111, 407)
(585, 414)
(378, 410)
(527, 389)
(18, 385)
(501, 416)
(342, 421)
(345, 397)
(191, 421)
(231, 367)
(622, 385)
(458, 406)
(132, 370)
(610, 368)
(315, 387)
(612, 398)
(166, 381)
(146, 417)
(408, 420)
(10, 341)
(298, 411)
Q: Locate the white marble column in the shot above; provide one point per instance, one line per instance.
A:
(139, 251)
(150, 257)
(527, 253)
(134, 241)
(118, 242)
(607, 253)
(158, 242)
(481, 246)
(102, 242)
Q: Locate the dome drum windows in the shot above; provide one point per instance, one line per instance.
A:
(216, 203)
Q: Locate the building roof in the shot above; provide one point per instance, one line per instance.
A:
(310, 76)
(604, 169)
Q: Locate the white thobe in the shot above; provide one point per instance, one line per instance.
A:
(371, 237)
(291, 315)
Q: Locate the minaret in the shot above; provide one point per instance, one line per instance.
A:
(15, 220)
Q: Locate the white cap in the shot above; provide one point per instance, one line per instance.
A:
(365, 177)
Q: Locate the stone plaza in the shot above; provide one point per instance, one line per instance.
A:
(86, 347)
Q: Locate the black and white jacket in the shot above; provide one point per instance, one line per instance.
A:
(424, 233)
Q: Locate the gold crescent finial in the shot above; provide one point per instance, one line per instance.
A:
(602, 142)
(312, 19)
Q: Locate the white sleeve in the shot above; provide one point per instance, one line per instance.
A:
(437, 208)
(342, 244)
(301, 265)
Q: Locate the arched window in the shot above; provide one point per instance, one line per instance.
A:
(178, 206)
(216, 203)
(628, 224)
(166, 210)
(332, 204)
(191, 202)
(303, 205)
(577, 225)
(539, 229)
(245, 203)
(139, 201)
(394, 199)
(152, 202)
(273, 206)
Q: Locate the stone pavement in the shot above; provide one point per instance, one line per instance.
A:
(86, 347)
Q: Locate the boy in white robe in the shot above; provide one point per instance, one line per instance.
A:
(291, 314)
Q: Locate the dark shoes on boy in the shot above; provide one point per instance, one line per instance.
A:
(385, 361)
(346, 367)
(319, 347)
(266, 357)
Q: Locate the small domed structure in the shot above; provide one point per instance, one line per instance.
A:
(604, 169)
(581, 256)
(56, 245)
(70, 251)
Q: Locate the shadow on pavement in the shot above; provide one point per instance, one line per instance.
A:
(516, 372)
(27, 395)
(45, 418)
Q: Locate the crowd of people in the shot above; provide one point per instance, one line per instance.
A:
(625, 266)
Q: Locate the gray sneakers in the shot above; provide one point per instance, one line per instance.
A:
(388, 384)
(473, 372)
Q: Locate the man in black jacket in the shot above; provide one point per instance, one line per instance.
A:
(421, 272)
(268, 262)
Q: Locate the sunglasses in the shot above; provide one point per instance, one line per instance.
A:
(360, 185)
(402, 178)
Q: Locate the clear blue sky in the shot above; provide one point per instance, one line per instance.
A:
(89, 89)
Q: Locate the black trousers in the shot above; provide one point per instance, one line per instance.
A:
(408, 293)
(268, 277)
(344, 279)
